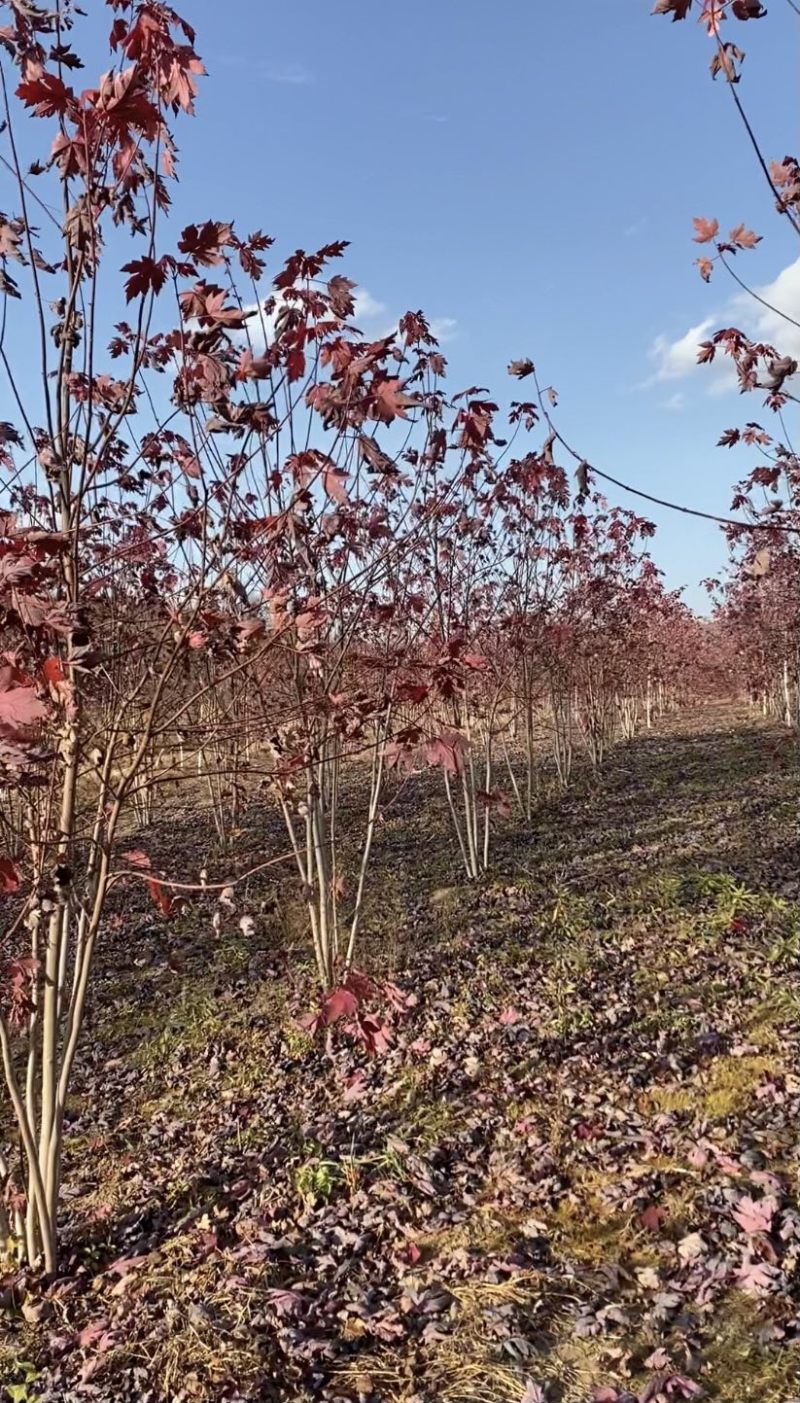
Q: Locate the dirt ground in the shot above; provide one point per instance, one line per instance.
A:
(573, 1176)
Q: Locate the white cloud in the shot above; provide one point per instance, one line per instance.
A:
(369, 315)
(783, 294)
(638, 226)
(367, 307)
(291, 73)
(444, 329)
(676, 360)
(675, 402)
(261, 328)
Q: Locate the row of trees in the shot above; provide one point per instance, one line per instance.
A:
(243, 547)
(757, 602)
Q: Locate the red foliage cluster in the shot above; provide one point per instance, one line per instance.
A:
(352, 1005)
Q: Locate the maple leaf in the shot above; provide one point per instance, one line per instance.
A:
(705, 230)
(123, 1266)
(756, 1278)
(582, 480)
(705, 267)
(389, 400)
(53, 672)
(712, 16)
(252, 367)
(691, 1247)
(205, 243)
(10, 239)
(285, 1303)
(216, 313)
(496, 800)
(725, 60)
(48, 95)
(333, 480)
(339, 1003)
(780, 370)
(447, 750)
(371, 450)
(92, 1333)
(676, 1386)
(20, 706)
(188, 463)
(136, 858)
(652, 1217)
(743, 237)
(342, 1002)
(340, 292)
(9, 875)
(755, 1215)
(521, 368)
(166, 903)
(17, 569)
(40, 611)
(147, 275)
(783, 172)
(375, 1036)
(415, 692)
(296, 363)
(679, 9)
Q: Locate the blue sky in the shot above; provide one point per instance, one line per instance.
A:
(527, 174)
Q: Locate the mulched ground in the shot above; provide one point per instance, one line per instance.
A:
(573, 1177)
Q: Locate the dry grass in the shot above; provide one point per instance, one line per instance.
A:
(726, 1089)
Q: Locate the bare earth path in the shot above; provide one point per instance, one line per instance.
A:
(575, 1175)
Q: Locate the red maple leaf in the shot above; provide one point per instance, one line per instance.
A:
(9, 875)
(705, 230)
(652, 1217)
(47, 95)
(341, 1003)
(165, 902)
(53, 671)
(415, 692)
(147, 275)
(743, 237)
(521, 368)
(333, 480)
(205, 243)
(447, 750)
(389, 400)
(679, 9)
(136, 858)
(20, 706)
(509, 1017)
(755, 1215)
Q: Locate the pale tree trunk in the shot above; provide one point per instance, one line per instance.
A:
(787, 695)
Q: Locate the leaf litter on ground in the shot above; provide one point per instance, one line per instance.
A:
(572, 1174)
